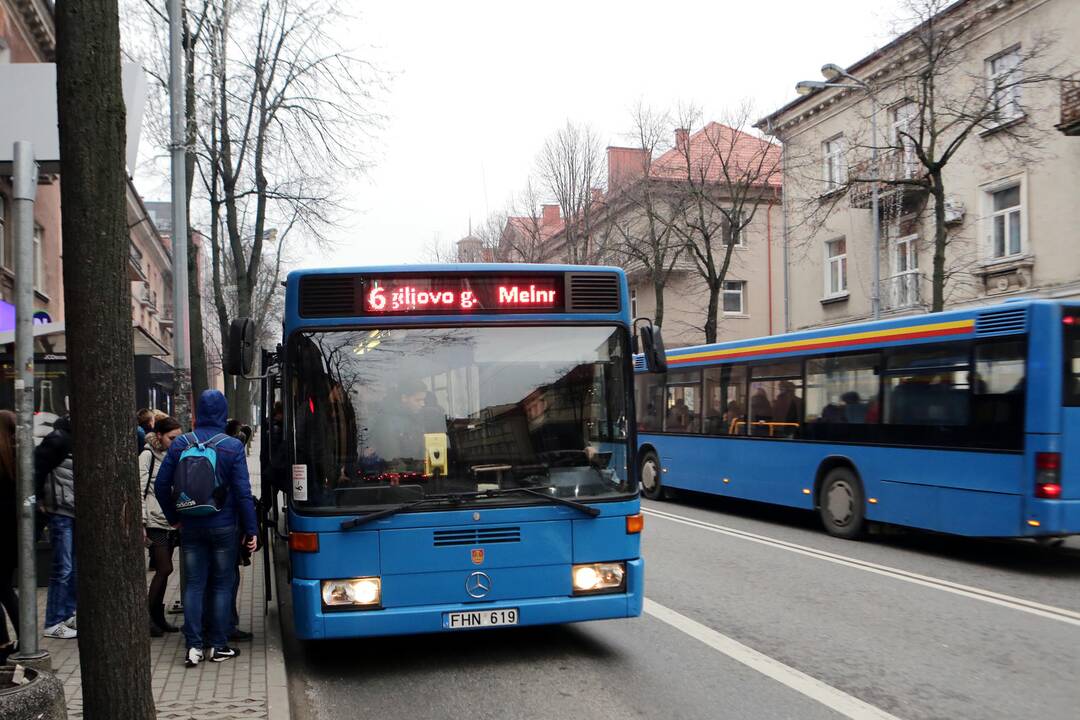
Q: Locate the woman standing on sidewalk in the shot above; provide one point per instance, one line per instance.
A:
(160, 536)
(9, 538)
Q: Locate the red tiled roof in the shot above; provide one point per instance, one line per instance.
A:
(743, 151)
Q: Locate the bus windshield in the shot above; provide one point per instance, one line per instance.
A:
(385, 416)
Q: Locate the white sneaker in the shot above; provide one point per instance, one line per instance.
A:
(194, 657)
(60, 631)
(70, 622)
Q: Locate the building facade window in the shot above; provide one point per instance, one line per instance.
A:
(39, 259)
(836, 267)
(1006, 222)
(734, 297)
(904, 122)
(905, 281)
(733, 232)
(1003, 84)
(834, 165)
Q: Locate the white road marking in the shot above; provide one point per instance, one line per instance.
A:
(1049, 612)
(832, 698)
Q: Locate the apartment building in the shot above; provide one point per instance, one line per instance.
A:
(1010, 188)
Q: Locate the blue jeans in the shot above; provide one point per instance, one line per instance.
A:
(60, 604)
(209, 558)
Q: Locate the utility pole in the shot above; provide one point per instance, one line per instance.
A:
(178, 118)
(25, 186)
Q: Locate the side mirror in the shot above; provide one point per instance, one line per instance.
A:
(652, 345)
(241, 346)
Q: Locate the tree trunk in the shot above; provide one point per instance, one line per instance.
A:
(941, 241)
(113, 638)
(658, 288)
(713, 313)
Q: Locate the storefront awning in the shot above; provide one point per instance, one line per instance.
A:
(50, 338)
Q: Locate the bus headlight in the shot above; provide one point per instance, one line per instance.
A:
(360, 593)
(598, 577)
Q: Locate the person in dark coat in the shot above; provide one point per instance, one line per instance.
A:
(208, 542)
(54, 483)
(9, 536)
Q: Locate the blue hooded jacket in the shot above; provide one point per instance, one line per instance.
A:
(239, 508)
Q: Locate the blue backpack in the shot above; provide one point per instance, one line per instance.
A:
(197, 489)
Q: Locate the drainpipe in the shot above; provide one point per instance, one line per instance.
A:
(768, 259)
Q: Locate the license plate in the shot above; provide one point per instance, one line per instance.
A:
(480, 618)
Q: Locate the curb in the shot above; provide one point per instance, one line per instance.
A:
(277, 688)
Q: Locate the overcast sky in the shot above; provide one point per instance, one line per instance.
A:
(476, 87)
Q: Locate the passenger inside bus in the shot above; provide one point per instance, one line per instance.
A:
(678, 416)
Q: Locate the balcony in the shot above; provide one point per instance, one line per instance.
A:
(135, 265)
(894, 164)
(1070, 107)
(903, 290)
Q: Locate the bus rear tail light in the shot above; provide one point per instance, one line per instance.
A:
(1048, 475)
(304, 542)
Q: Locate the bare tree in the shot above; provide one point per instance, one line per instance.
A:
(938, 103)
(726, 174)
(111, 584)
(523, 235)
(642, 209)
(288, 113)
(571, 167)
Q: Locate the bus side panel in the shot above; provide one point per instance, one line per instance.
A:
(962, 512)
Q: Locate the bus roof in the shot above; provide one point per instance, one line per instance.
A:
(1006, 318)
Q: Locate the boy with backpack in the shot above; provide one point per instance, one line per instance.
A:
(203, 488)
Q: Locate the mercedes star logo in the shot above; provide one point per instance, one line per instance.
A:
(478, 585)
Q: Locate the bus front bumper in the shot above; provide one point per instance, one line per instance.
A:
(311, 623)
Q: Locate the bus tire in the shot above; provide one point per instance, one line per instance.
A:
(842, 504)
(651, 485)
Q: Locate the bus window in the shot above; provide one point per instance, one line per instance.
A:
(683, 406)
(725, 400)
(842, 390)
(1072, 359)
(927, 386)
(650, 400)
(776, 401)
(997, 390)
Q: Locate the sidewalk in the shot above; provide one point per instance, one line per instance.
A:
(252, 685)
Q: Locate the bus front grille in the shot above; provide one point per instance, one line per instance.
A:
(477, 536)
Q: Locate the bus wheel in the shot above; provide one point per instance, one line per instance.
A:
(841, 504)
(651, 485)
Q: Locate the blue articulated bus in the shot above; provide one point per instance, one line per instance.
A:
(458, 446)
(964, 422)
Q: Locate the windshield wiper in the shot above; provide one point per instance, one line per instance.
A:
(587, 509)
(387, 512)
(458, 498)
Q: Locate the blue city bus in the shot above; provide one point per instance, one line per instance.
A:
(457, 447)
(964, 422)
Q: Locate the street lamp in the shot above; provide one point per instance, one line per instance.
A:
(833, 74)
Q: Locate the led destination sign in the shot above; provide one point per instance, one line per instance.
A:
(462, 294)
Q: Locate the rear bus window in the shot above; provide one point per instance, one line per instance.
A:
(1072, 357)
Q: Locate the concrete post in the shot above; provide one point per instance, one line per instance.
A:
(25, 186)
(177, 113)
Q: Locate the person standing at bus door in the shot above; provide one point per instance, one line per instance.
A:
(160, 536)
(208, 542)
(54, 482)
(9, 538)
